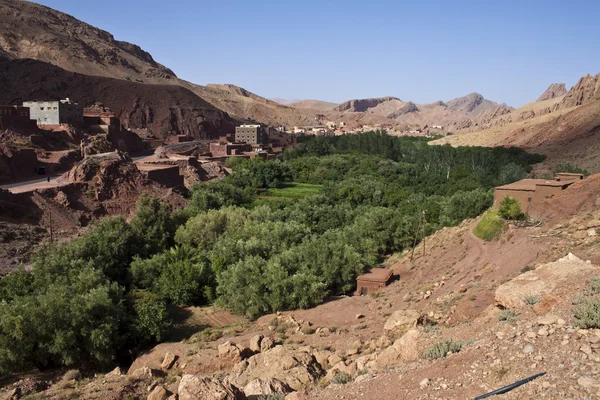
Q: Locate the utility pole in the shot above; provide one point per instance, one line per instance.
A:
(51, 236)
(424, 226)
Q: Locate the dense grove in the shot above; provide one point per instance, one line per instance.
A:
(107, 292)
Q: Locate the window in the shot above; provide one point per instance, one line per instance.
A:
(55, 108)
(42, 108)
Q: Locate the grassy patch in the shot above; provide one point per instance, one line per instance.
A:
(342, 378)
(293, 191)
(442, 348)
(508, 315)
(489, 227)
(532, 300)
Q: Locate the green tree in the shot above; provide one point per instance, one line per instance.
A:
(152, 225)
(510, 209)
(148, 318)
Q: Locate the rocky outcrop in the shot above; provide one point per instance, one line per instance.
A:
(405, 349)
(541, 281)
(409, 107)
(554, 90)
(295, 368)
(585, 91)
(400, 322)
(194, 387)
(472, 103)
(362, 105)
(266, 387)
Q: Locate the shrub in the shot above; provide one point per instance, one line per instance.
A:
(568, 167)
(587, 314)
(271, 397)
(341, 378)
(489, 227)
(507, 315)
(152, 225)
(527, 268)
(594, 285)
(510, 209)
(149, 320)
(532, 300)
(442, 348)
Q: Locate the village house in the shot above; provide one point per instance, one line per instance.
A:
(254, 134)
(532, 193)
(373, 280)
(55, 112)
(101, 121)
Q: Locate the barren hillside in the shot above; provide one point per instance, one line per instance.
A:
(313, 104)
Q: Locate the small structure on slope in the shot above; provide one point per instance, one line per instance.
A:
(532, 193)
(372, 281)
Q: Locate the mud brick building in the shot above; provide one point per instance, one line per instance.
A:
(372, 281)
(532, 193)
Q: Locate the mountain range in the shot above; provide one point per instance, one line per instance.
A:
(46, 54)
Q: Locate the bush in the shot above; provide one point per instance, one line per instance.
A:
(65, 324)
(587, 314)
(510, 209)
(570, 168)
(152, 225)
(507, 315)
(489, 227)
(532, 300)
(442, 348)
(341, 378)
(148, 318)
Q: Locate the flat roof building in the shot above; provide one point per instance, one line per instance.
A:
(532, 193)
(372, 281)
(55, 112)
(254, 134)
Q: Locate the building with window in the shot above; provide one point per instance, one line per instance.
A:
(254, 134)
(55, 112)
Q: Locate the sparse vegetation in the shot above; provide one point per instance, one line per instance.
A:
(532, 300)
(587, 313)
(341, 378)
(442, 348)
(508, 315)
(489, 227)
(271, 397)
(568, 167)
(587, 310)
(527, 268)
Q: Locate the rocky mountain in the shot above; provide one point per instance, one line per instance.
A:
(362, 105)
(473, 104)
(162, 109)
(564, 128)
(586, 90)
(29, 30)
(553, 91)
(313, 104)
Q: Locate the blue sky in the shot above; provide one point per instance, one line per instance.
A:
(422, 51)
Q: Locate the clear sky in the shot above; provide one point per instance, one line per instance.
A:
(418, 50)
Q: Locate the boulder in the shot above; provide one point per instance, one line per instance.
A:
(266, 344)
(405, 349)
(230, 351)
(143, 373)
(545, 305)
(296, 368)
(322, 357)
(541, 281)
(348, 368)
(255, 343)
(194, 387)
(159, 393)
(265, 387)
(401, 321)
(168, 361)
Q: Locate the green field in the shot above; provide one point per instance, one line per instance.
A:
(489, 227)
(292, 191)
